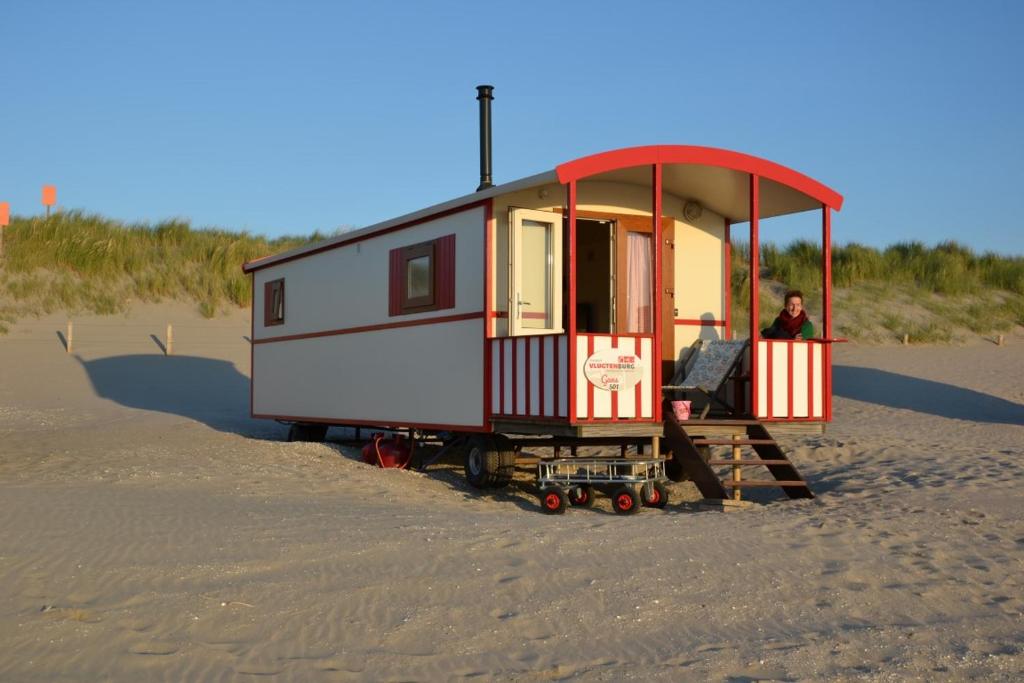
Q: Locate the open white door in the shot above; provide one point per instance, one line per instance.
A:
(536, 305)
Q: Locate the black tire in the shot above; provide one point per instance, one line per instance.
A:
(553, 500)
(582, 496)
(625, 501)
(490, 461)
(657, 498)
(307, 432)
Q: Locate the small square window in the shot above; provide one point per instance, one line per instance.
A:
(422, 277)
(273, 303)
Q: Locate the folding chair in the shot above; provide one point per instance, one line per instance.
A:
(713, 362)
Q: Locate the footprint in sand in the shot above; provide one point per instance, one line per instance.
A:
(155, 648)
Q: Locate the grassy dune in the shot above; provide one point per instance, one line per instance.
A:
(81, 262)
(937, 294)
(87, 263)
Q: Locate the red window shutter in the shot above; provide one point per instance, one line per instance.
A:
(445, 271)
(394, 283)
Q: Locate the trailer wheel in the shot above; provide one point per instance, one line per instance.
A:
(582, 496)
(625, 501)
(657, 498)
(490, 462)
(553, 501)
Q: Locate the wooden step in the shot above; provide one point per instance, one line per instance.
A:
(758, 483)
(734, 442)
(745, 463)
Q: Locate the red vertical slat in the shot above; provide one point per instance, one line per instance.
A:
(810, 379)
(528, 399)
(728, 280)
(658, 294)
(501, 375)
(541, 384)
(488, 346)
(515, 376)
(826, 310)
(557, 377)
(615, 394)
(590, 386)
(637, 396)
(570, 338)
(755, 280)
(789, 378)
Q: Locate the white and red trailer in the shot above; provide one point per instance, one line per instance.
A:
(478, 315)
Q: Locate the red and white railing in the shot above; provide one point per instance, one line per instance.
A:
(791, 379)
(633, 403)
(529, 376)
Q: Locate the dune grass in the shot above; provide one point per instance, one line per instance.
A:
(928, 293)
(84, 262)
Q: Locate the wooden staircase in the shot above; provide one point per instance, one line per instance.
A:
(687, 442)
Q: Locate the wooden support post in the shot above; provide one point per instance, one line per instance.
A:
(906, 339)
(572, 451)
(71, 335)
(999, 340)
(737, 471)
(655, 446)
(622, 450)
(169, 349)
(557, 451)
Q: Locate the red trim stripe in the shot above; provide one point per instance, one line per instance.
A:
(728, 279)
(373, 328)
(384, 424)
(570, 261)
(702, 323)
(271, 260)
(658, 293)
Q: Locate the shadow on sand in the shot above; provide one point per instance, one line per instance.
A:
(207, 390)
(923, 396)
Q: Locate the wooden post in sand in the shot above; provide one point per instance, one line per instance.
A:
(906, 339)
(999, 340)
(737, 471)
(169, 348)
(71, 335)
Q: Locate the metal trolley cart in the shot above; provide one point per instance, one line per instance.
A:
(630, 483)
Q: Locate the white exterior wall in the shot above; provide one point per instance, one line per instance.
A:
(424, 374)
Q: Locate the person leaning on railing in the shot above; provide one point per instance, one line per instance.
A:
(792, 321)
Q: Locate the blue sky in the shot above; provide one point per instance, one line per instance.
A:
(282, 117)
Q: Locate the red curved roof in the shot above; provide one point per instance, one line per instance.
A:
(705, 156)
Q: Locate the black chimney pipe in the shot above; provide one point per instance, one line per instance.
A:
(485, 96)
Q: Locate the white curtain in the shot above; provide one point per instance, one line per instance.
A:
(638, 283)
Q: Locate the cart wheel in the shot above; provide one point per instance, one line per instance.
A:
(582, 496)
(625, 501)
(553, 501)
(490, 461)
(657, 498)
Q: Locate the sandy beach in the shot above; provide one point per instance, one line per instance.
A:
(153, 531)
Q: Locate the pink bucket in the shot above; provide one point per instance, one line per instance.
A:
(681, 409)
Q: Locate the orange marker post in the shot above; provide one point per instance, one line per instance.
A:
(5, 220)
(49, 197)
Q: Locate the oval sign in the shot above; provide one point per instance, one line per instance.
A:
(614, 369)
